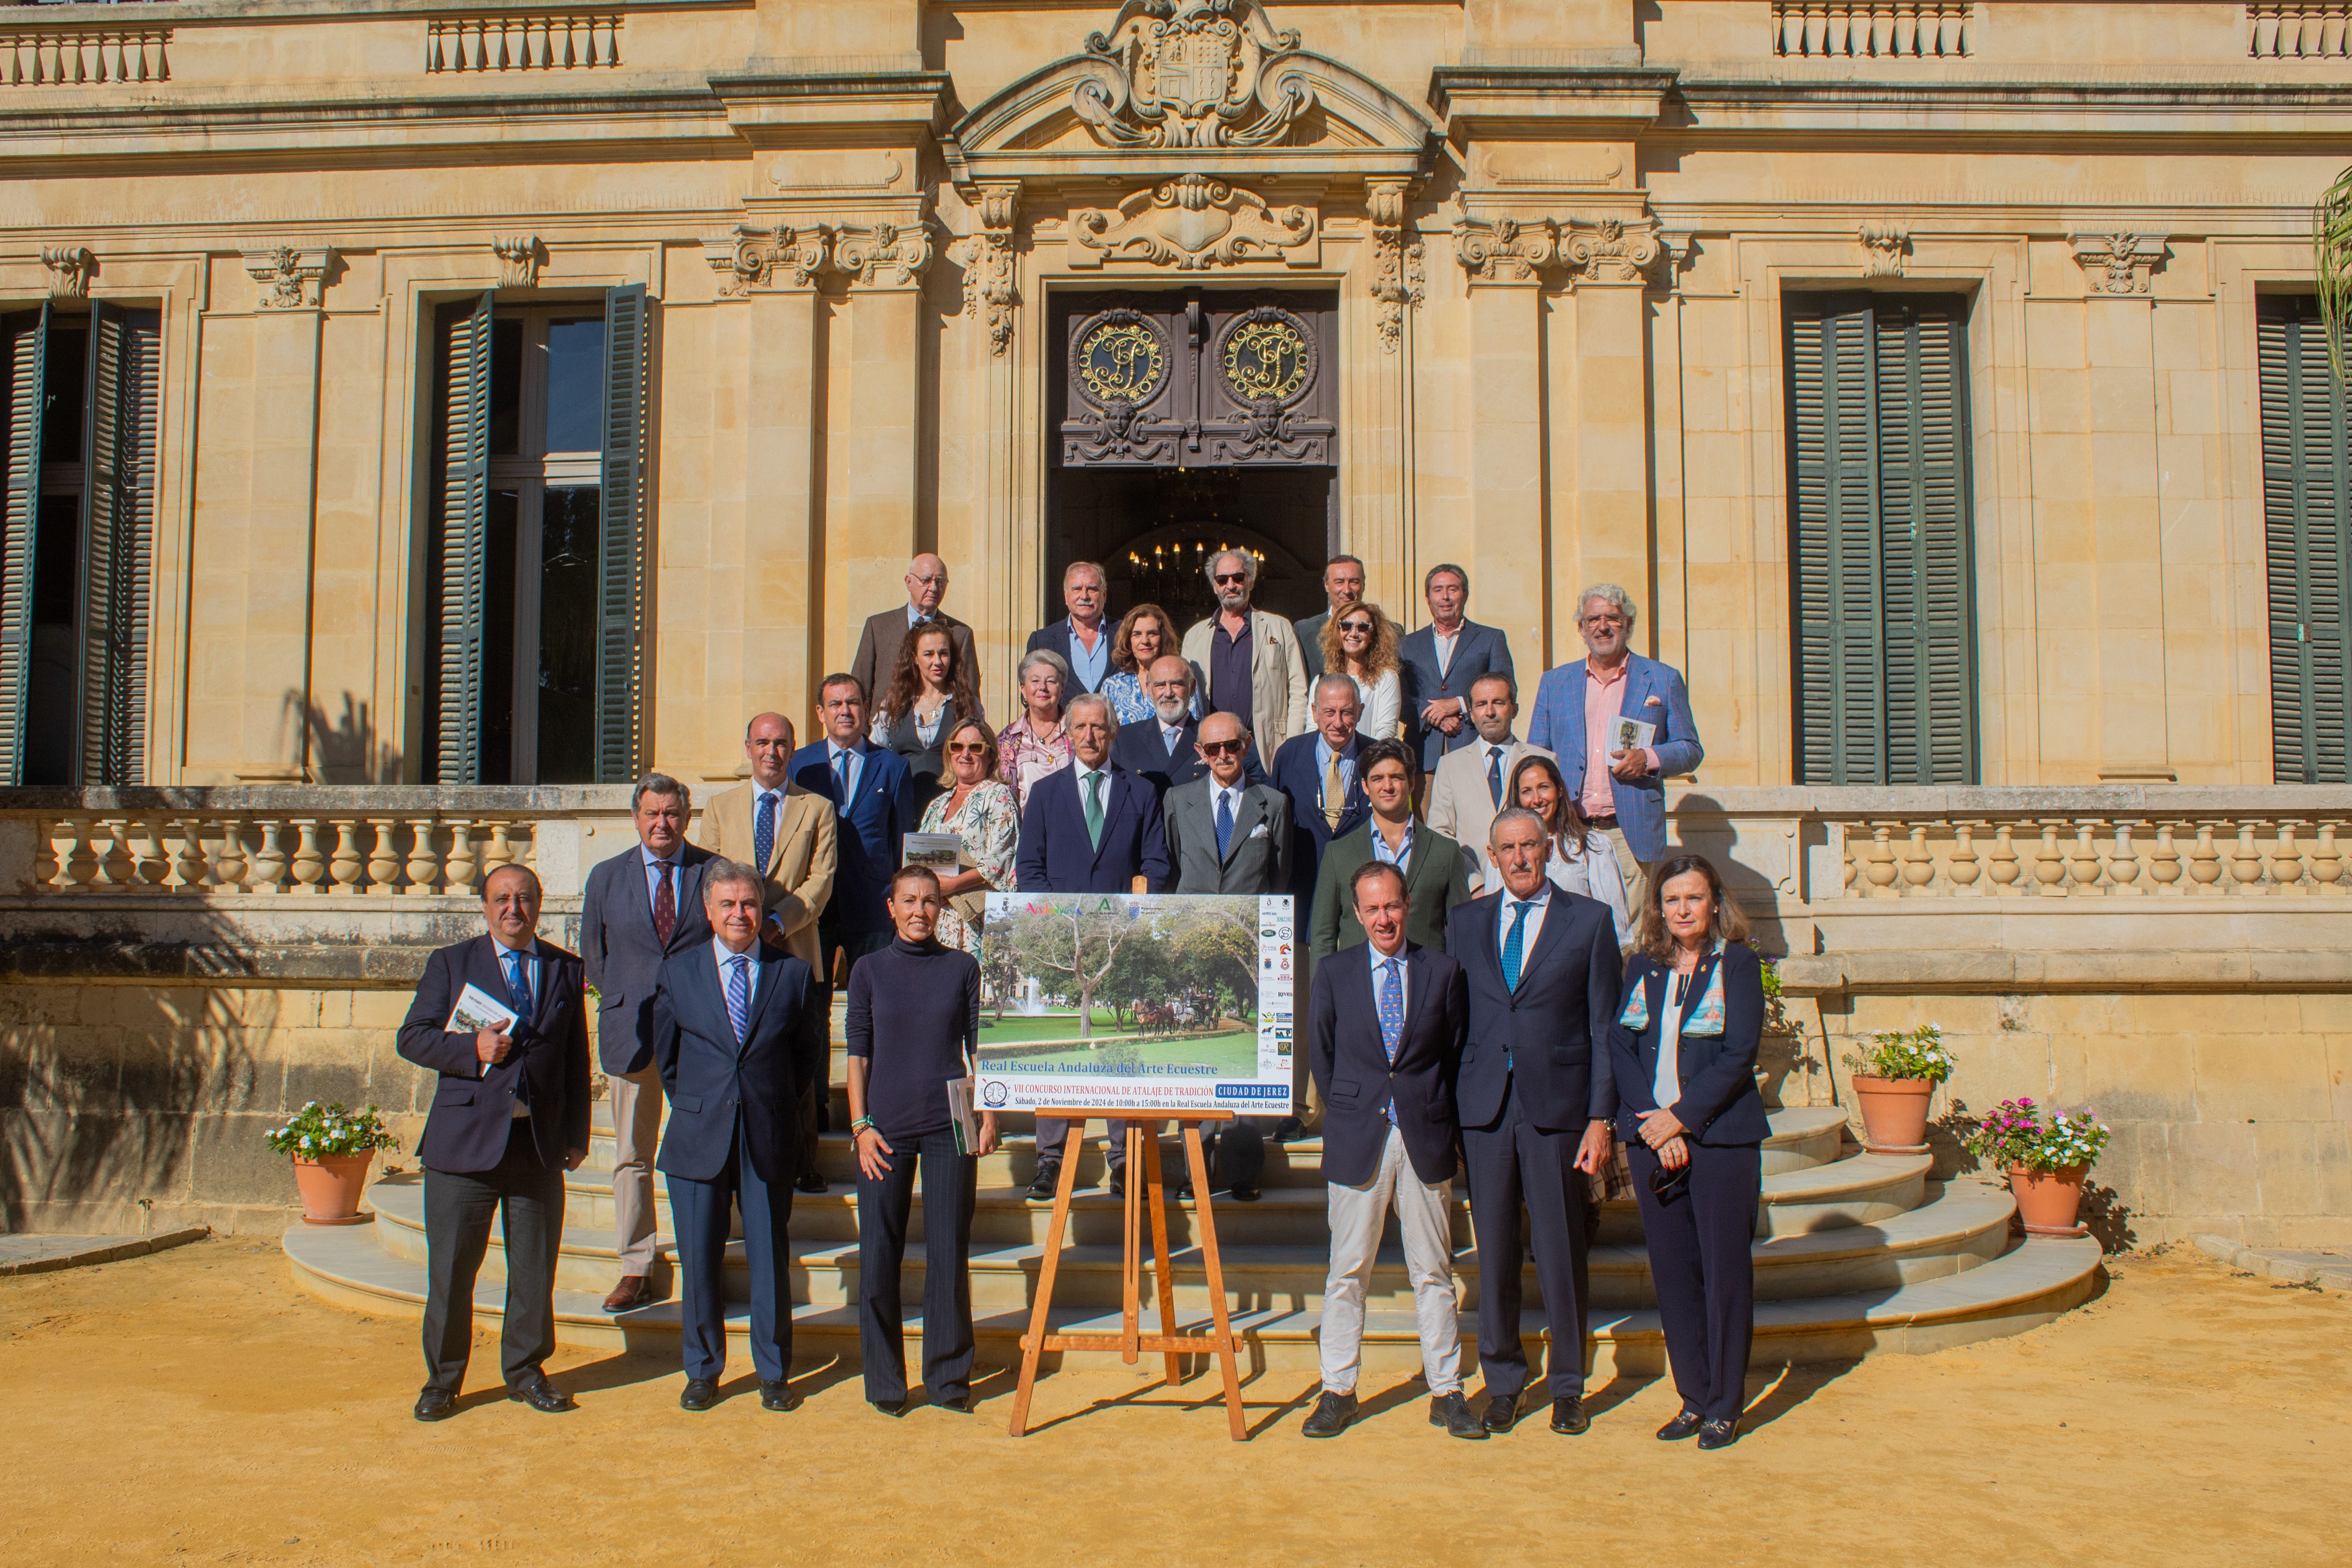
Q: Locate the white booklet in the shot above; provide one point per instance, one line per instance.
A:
(967, 1125)
(1630, 734)
(477, 1010)
(942, 852)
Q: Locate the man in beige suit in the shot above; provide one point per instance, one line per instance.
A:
(1467, 789)
(1249, 660)
(786, 834)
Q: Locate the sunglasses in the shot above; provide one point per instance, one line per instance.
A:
(1222, 748)
(1224, 577)
(967, 749)
(1363, 626)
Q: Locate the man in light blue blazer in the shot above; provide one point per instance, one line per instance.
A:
(1442, 661)
(1622, 792)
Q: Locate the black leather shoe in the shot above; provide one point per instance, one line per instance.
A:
(778, 1396)
(1288, 1129)
(1568, 1419)
(811, 1183)
(1502, 1409)
(1452, 1412)
(1330, 1416)
(1683, 1424)
(1041, 1189)
(960, 1403)
(541, 1394)
(1182, 1193)
(1244, 1194)
(892, 1407)
(435, 1404)
(701, 1393)
(1118, 1183)
(1718, 1433)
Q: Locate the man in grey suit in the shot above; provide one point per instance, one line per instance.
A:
(1343, 584)
(642, 905)
(1228, 835)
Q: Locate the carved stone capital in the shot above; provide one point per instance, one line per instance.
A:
(1192, 224)
(292, 277)
(1398, 275)
(989, 291)
(71, 266)
(2118, 263)
(519, 257)
(1885, 247)
(1505, 249)
(754, 257)
(883, 255)
(1609, 251)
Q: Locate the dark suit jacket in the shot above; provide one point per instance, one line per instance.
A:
(547, 1070)
(1479, 650)
(1139, 748)
(877, 648)
(1056, 639)
(1296, 775)
(869, 835)
(1547, 1043)
(1253, 862)
(1352, 1069)
(1720, 1102)
(1310, 646)
(624, 956)
(1056, 857)
(1435, 881)
(712, 1080)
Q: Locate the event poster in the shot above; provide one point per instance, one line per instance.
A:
(1119, 1002)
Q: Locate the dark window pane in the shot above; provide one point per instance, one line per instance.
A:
(567, 638)
(51, 711)
(498, 641)
(68, 378)
(506, 387)
(575, 384)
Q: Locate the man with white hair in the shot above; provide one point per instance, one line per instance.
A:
(877, 645)
(1622, 789)
(1082, 638)
(1250, 658)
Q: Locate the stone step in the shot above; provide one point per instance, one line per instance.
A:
(2021, 1290)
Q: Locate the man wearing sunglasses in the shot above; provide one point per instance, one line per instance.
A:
(1255, 669)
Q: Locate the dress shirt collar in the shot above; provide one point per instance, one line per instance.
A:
(1323, 752)
(725, 954)
(653, 860)
(1401, 855)
(834, 748)
(915, 616)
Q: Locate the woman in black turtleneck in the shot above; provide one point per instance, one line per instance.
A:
(914, 1024)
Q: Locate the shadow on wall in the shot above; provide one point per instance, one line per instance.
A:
(345, 750)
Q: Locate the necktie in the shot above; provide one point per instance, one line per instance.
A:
(1392, 1008)
(519, 984)
(763, 830)
(1224, 822)
(1512, 954)
(739, 994)
(1094, 809)
(1335, 792)
(1495, 774)
(665, 904)
(841, 781)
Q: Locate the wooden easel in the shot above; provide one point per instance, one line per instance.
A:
(1131, 1341)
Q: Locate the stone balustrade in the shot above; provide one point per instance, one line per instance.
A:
(2300, 30)
(1871, 29)
(557, 41)
(89, 56)
(2037, 855)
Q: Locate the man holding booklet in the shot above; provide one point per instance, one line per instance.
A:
(913, 1028)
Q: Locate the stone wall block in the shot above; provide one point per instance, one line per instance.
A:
(2215, 1169)
(2288, 1152)
(379, 1010)
(229, 1163)
(2250, 1078)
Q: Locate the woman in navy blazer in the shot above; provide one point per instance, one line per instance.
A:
(1694, 1129)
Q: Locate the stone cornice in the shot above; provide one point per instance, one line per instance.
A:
(183, 12)
(1491, 99)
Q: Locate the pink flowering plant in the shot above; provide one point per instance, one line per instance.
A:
(2016, 1133)
(1905, 1053)
(318, 1130)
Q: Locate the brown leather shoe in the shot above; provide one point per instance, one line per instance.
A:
(633, 1290)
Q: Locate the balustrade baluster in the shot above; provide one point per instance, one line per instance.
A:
(498, 851)
(1878, 864)
(2083, 862)
(309, 867)
(194, 870)
(46, 862)
(2164, 866)
(228, 862)
(1965, 868)
(2001, 865)
(2286, 861)
(2205, 862)
(117, 871)
(344, 865)
(269, 860)
(1918, 863)
(461, 855)
(423, 861)
(2326, 862)
(2246, 859)
(2123, 867)
(80, 861)
(2049, 859)
(384, 860)
(145, 840)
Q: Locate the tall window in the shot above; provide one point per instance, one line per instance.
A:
(2308, 535)
(1879, 525)
(75, 543)
(534, 566)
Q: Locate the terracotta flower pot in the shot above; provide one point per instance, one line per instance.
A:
(2049, 1201)
(1893, 1112)
(330, 1187)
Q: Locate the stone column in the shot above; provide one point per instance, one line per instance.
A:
(1604, 437)
(874, 458)
(1507, 512)
(783, 497)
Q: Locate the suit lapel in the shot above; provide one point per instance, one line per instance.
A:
(1251, 813)
(1416, 995)
(1552, 939)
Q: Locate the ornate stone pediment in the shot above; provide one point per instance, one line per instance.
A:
(1193, 223)
(1191, 73)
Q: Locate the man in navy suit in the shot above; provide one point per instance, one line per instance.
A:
(1441, 662)
(1317, 771)
(510, 1116)
(1091, 827)
(1535, 1099)
(732, 1019)
(1385, 1020)
(643, 905)
(874, 802)
(1082, 638)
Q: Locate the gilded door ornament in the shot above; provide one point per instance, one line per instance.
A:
(1268, 356)
(1120, 357)
(1191, 73)
(1192, 223)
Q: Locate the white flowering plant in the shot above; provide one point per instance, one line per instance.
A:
(2017, 1134)
(317, 1130)
(1905, 1053)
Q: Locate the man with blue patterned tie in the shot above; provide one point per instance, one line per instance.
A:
(1535, 1099)
(732, 1017)
(1385, 1022)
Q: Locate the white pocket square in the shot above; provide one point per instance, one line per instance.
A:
(1259, 831)
(1651, 702)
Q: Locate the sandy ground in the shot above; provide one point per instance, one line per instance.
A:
(194, 1407)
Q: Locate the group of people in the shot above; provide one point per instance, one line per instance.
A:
(1380, 781)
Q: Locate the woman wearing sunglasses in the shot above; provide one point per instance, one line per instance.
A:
(1683, 1054)
(978, 808)
(1360, 643)
(1582, 859)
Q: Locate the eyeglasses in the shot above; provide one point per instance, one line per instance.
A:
(1604, 620)
(966, 748)
(1223, 748)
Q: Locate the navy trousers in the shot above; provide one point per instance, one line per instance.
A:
(1511, 1164)
(950, 1181)
(1704, 1272)
(699, 1212)
(459, 1208)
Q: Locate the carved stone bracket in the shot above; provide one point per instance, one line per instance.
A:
(755, 257)
(1191, 73)
(1602, 252)
(292, 277)
(1192, 224)
(519, 257)
(1397, 257)
(2118, 263)
(883, 254)
(1610, 251)
(1885, 247)
(1503, 249)
(988, 274)
(71, 266)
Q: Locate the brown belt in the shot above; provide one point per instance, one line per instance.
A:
(1608, 821)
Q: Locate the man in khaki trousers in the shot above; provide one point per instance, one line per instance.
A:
(786, 834)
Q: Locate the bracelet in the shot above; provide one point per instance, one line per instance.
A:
(860, 1125)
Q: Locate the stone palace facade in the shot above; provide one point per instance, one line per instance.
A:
(424, 415)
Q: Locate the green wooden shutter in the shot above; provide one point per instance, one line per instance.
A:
(1930, 674)
(620, 576)
(1840, 694)
(119, 502)
(24, 343)
(464, 527)
(2307, 529)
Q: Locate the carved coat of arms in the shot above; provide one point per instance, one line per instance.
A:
(1191, 73)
